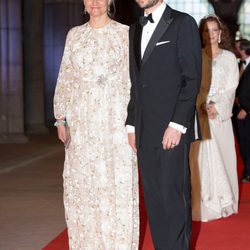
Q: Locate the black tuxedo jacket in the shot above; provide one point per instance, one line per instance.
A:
(165, 82)
(244, 89)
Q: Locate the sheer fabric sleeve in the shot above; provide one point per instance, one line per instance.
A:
(65, 80)
(224, 98)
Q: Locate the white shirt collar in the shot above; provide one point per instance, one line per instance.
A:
(157, 13)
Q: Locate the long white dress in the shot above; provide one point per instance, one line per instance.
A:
(213, 160)
(100, 173)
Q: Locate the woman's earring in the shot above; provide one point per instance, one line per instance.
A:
(109, 10)
(219, 39)
(84, 11)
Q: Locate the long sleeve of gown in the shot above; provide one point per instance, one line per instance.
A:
(223, 97)
(65, 81)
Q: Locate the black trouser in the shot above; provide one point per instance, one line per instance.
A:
(243, 127)
(166, 186)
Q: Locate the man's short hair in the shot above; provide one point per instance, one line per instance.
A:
(245, 45)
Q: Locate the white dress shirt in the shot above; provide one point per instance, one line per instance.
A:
(149, 28)
(147, 32)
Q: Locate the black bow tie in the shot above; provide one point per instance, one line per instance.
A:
(242, 62)
(144, 19)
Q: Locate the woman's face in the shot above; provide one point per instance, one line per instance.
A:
(96, 8)
(211, 33)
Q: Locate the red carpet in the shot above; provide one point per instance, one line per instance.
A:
(226, 234)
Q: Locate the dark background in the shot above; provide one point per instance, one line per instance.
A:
(32, 37)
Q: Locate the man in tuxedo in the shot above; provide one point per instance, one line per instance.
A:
(165, 70)
(243, 107)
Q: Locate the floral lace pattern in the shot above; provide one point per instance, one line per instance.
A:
(100, 173)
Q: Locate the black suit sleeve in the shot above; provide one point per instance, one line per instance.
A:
(244, 95)
(189, 57)
(131, 106)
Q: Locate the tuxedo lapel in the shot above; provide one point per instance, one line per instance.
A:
(247, 68)
(137, 44)
(244, 72)
(158, 32)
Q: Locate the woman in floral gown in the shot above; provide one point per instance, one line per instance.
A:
(100, 174)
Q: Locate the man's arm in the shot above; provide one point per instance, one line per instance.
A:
(131, 105)
(130, 121)
(189, 56)
(244, 95)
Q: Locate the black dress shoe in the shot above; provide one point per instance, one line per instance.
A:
(246, 179)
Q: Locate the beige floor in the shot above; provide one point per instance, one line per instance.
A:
(31, 208)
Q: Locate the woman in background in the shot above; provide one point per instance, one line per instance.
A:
(213, 159)
(100, 173)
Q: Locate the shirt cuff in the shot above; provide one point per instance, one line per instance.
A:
(179, 127)
(130, 129)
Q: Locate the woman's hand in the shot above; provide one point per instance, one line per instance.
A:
(62, 133)
(211, 111)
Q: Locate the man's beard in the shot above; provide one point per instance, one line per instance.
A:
(150, 4)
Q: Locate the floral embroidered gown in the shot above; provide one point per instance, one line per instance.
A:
(100, 173)
(213, 159)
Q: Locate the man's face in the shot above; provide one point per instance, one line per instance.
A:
(146, 4)
(238, 50)
(241, 52)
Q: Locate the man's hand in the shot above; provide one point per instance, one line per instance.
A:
(131, 141)
(242, 114)
(171, 138)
